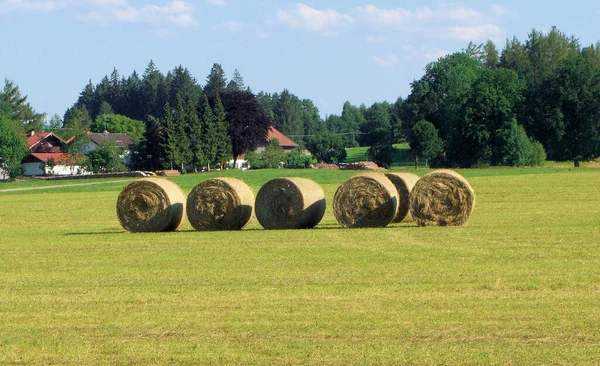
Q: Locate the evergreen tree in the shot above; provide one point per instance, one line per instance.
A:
(55, 124)
(169, 143)
(151, 81)
(89, 98)
(511, 145)
(184, 153)
(266, 103)
(215, 81)
(149, 153)
(105, 109)
(287, 114)
(77, 115)
(209, 134)
(115, 94)
(183, 83)
(237, 82)
(222, 140)
(196, 135)
(133, 96)
(14, 107)
(311, 120)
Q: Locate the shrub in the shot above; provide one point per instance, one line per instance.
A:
(537, 154)
(297, 160)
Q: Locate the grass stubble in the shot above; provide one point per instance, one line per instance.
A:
(519, 284)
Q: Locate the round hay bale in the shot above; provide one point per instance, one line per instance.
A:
(365, 200)
(290, 203)
(404, 183)
(442, 198)
(151, 205)
(220, 204)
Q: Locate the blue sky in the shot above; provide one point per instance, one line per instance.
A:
(329, 51)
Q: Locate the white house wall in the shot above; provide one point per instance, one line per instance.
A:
(35, 169)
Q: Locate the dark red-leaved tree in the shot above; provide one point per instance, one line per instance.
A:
(248, 125)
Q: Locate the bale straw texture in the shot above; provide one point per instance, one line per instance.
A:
(151, 205)
(404, 183)
(290, 203)
(220, 204)
(442, 198)
(365, 200)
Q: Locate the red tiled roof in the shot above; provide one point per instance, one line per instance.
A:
(37, 137)
(40, 136)
(57, 157)
(284, 141)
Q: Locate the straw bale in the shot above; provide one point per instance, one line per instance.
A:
(365, 200)
(151, 205)
(404, 183)
(290, 203)
(442, 198)
(220, 204)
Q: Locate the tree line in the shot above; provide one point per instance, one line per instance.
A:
(477, 107)
(480, 107)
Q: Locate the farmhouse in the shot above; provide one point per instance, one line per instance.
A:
(285, 142)
(47, 156)
(120, 140)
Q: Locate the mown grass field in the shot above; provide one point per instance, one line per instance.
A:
(402, 156)
(519, 284)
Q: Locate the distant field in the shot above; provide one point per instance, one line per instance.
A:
(402, 156)
(519, 284)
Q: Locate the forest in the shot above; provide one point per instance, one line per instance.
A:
(534, 100)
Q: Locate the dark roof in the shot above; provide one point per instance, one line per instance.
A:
(120, 139)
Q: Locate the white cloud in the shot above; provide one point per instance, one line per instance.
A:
(303, 17)
(463, 14)
(126, 14)
(184, 20)
(109, 2)
(476, 33)
(7, 6)
(391, 17)
(175, 13)
(216, 2)
(443, 21)
(387, 61)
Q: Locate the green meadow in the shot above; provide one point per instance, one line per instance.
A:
(518, 284)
